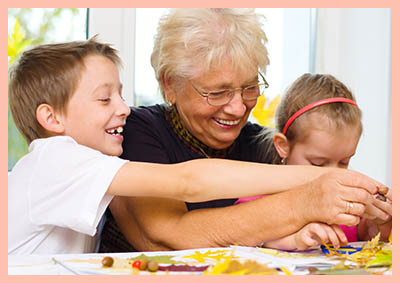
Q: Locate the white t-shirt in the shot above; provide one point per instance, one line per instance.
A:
(56, 197)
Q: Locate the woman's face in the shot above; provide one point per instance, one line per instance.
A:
(215, 126)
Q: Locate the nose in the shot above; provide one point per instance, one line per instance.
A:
(122, 109)
(236, 107)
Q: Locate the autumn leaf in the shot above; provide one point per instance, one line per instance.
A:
(17, 43)
(265, 116)
(381, 258)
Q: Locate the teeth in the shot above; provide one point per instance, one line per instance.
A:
(116, 131)
(226, 122)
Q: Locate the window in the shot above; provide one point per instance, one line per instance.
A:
(41, 25)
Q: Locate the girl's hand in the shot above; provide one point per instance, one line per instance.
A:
(314, 234)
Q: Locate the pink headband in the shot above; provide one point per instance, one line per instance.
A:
(313, 105)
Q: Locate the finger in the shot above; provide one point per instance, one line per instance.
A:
(383, 190)
(341, 235)
(371, 209)
(356, 208)
(383, 205)
(319, 233)
(356, 195)
(357, 180)
(388, 195)
(346, 219)
(309, 241)
(333, 238)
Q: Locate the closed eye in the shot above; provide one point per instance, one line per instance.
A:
(217, 93)
(317, 164)
(252, 87)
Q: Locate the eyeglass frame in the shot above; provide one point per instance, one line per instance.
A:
(232, 91)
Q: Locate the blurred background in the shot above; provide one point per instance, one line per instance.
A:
(353, 44)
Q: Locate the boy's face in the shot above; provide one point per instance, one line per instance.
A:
(325, 145)
(96, 111)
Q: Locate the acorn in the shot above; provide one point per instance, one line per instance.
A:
(107, 261)
(152, 266)
(143, 265)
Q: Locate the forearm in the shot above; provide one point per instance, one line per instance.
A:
(201, 180)
(163, 224)
(241, 179)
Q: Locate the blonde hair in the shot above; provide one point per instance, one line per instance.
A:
(49, 74)
(305, 90)
(189, 42)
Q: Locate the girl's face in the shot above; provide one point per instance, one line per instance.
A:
(325, 145)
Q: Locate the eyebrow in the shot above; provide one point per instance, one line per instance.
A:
(229, 85)
(106, 85)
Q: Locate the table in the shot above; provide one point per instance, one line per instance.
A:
(248, 260)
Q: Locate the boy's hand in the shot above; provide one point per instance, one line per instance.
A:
(314, 234)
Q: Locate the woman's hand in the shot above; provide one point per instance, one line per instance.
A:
(369, 228)
(341, 197)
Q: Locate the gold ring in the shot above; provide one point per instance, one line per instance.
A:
(349, 206)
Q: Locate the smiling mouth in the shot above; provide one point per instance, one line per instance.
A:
(227, 122)
(116, 131)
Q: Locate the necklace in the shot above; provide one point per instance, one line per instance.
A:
(172, 116)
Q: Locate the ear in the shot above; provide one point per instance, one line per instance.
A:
(281, 144)
(48, 119)
(170, 93)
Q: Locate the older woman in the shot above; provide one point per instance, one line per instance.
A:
(209, 64)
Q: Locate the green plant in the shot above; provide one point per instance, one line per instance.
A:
(17, 146)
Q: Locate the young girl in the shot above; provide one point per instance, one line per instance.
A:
(319, 123)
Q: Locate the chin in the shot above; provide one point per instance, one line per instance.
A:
(114, 152)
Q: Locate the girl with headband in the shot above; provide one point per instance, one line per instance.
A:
(319, 123)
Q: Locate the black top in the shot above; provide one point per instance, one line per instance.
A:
(149, 137)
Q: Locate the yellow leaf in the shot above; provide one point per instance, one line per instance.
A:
(215, 255)
(17, 43)
(265, 116)
(373, 242)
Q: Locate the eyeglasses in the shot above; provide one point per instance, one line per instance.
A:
(222, 97)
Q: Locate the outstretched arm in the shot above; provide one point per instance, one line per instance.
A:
(203, 179)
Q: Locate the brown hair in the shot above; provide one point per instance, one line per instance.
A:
(305, 90)
(49, 74)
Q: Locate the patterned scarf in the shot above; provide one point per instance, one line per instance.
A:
(172, 116)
